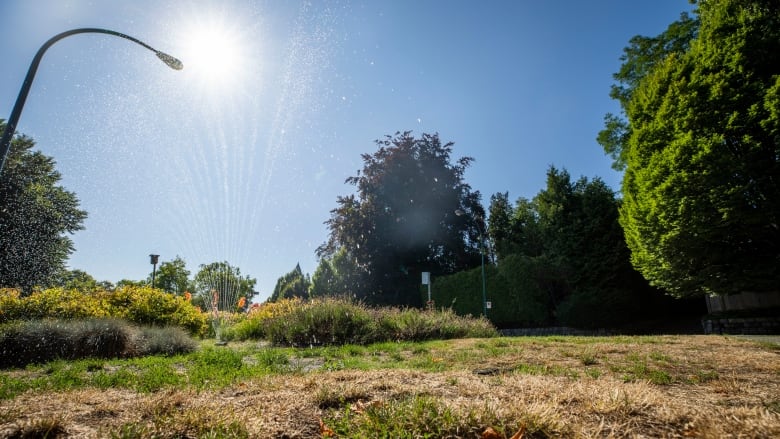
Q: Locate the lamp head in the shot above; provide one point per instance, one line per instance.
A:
(171, 61)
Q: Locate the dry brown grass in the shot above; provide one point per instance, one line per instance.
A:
(719, 387)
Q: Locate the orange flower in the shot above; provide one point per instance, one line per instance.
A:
(187, 296)
(241, 302)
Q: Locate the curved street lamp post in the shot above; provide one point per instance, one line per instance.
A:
(10, 127)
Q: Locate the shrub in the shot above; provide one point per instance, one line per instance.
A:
(59, 303)
(417, 325)
(138, 304)
(148, 306)
(169, 340)
(10, 305)
(253, 325)
(340, 321)
(322, 322)
(41, 341)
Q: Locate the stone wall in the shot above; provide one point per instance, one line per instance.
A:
(555, 330)
(742, 301)
(743, 325)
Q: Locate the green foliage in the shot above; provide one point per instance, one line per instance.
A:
(562, 260)
(340, 321)
(150, 306)
(80, 280)
(402, 219)
(56, 303)
(322, 322)
(517, 289)
(641, 56)
(167, 340)
(226, 281)
(702, 198)
(35, 217)
(323, 281)
(173, 277)
(337, 276)
(292, 284)
(409, 324)
(141, 305)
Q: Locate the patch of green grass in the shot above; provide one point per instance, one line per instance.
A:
(592, 372)
(660, 357)
(423, 416)
(544, 369)
(703, 376)
(588, 358)
(639, 370)
(186, 425)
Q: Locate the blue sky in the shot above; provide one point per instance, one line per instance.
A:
(241, 155)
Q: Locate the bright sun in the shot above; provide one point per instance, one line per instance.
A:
(215, 55)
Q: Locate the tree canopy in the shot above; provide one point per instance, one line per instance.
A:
(563, 252)
(220, 286)
(291, 285)
(402, 219)
(36, 214)
(173, 277)
(701, 150)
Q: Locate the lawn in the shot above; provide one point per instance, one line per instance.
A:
(530, 387)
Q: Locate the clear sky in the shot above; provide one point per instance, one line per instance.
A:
(241, 155)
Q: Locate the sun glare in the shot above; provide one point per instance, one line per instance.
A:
(215, 55)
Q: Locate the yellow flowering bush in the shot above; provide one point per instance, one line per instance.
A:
(59, 303)
(10, 305)
(149, 306)
(141, 305)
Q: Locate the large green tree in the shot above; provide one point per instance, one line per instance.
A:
(222, 284)
(702, 151)
(36, 215)
(402, 220)
(173, 277)
(639, 58)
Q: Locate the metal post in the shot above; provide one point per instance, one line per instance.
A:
(484, 293)
(10, 127)
(153, 259)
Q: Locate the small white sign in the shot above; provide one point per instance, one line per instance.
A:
(426, 277)
(489, 305)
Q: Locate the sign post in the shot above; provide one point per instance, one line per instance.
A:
(426, 280)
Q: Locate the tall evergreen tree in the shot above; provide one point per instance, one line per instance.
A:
(292, 284)
(572, 249)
